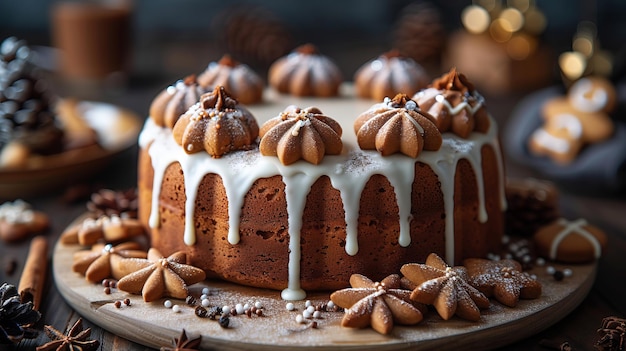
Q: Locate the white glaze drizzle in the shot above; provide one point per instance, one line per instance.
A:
(463, 105)
(348, 172)
(574, 227)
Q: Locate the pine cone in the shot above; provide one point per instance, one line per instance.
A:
(108, 202)
(419, 32)
(15, 317)
(611, 334)
(252, 35)
(26, 115)
(532, 203)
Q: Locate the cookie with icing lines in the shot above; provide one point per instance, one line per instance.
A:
(570, 241)
(572, 121)
(18, 221)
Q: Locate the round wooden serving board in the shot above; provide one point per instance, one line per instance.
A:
(153, 325)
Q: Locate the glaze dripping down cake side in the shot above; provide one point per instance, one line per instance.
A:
(253, 220)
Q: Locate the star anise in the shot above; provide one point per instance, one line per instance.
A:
(379, 304)
(502, 279)
(76, 339)
(158, 276)
(183, 343)
(445, 288)
(98, 263)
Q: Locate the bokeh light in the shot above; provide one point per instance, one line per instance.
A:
(475, 19)
(573, 64)
(512, 19)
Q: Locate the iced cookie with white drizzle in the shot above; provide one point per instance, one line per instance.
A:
(456, 105)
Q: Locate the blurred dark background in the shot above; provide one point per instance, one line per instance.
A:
(344, 29)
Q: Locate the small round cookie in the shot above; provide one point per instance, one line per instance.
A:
(570, 241)
(19, 221)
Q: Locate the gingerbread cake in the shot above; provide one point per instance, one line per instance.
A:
(333, 204)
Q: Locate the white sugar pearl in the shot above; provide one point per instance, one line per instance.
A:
(226, 309)
(206, 291)
(410, 105)
(239, 308)
(330, 304)
(540, 261)
(567, 272)
(290, 306)
(299, 319)
(175, 308)
(533, 276)
(204, 296)
(306, 314)
(550, 270)
(205, 303)
(258, 305)
(310, 309)
(308, 303)
(167, 304)
(317, 314)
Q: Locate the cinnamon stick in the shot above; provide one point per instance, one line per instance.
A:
(33, 276)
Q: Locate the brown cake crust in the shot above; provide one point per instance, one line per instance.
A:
(261, 257)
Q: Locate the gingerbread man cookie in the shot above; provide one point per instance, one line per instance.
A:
(570, 241)
(573, 121)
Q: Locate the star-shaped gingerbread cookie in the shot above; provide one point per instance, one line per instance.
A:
(379, 304)
(158, 276)
(504, 280)
(445, 288)
(101, 261)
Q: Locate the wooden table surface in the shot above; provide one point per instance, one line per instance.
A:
(579, 328)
